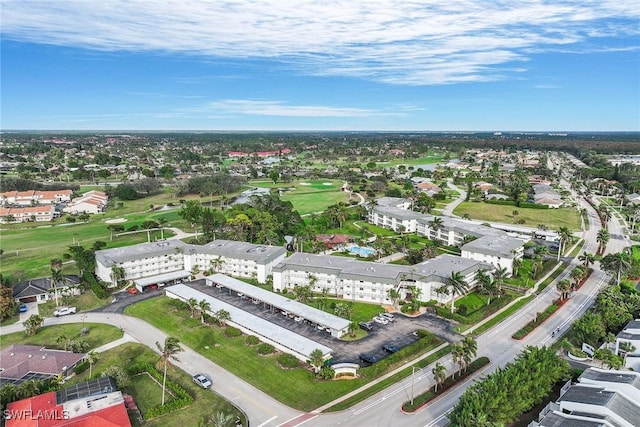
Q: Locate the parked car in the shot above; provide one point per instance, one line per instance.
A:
(23, 308)
(369, 359)
(380, 319)
(152, 287)
(387, 316)
(298, 319)
(132, 291)
(202, 380)
(390, 348)
(63, 311)
(367, 326)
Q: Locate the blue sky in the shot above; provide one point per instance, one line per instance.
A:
(333, 65)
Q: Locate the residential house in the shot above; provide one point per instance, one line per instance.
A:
(95, 403)
(630, 334)
(25, 214)
(92, 202)
(42, 290)
(20, 363)
(33, 197)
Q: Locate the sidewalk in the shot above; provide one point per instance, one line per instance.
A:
(108, 346)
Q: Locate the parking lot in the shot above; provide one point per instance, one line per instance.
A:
(399, 332)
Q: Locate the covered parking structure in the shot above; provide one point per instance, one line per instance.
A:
(337, 325)
(281, 338)
(161, 279)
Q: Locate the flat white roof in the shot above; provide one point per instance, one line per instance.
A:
(286, 338)
(161, 278)
(312, 314)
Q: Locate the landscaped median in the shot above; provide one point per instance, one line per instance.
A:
(449, 382)
(539, 319)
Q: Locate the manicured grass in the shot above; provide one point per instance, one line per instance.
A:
(147, 392)
(563, 217)
(10, 320)
(302, 391)
(503, 315)
(83, 302)
(99, 334)
(474, 301)
(205, 402)
(362, 311)
(315, 196)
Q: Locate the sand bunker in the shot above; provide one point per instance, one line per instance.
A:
(115, 221)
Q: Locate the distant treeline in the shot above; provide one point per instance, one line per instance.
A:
(20, 184)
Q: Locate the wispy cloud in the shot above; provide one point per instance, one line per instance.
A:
(281, 108)
(400, 42)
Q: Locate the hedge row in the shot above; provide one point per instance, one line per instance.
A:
(541, 317)
(98, 290)
(449, 382)
(181, 397)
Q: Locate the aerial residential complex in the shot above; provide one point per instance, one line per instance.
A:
(490, 245)
(146, 260)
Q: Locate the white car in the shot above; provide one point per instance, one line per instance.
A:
(387, 316)
(380, 319)
(202, 380)
(63, 311)
(298, 319)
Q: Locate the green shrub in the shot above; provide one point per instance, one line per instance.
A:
(251, 340)
(98, 290)
(231, 332)
(81, 367)
(462, 310)
(288, 361)
(265, 348)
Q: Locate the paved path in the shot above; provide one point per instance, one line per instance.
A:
(448, 209)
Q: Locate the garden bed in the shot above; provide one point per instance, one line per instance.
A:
(540, 318)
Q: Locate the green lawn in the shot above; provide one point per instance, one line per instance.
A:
(309, 196)
(302, 392)
(555, 218)
(147, 392)
(99, 334)
(473, 302)
(84, 302)
(205, 402)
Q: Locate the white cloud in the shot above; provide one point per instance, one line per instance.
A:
(401, 42)
(280, 108)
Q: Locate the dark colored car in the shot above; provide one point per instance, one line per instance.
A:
(368, 359)
(390, 348)
(367, 326)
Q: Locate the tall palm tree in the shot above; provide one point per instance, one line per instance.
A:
(602, 238)
(57, 277)
(457, 354)
(587, 259)
(117, 274)
(458, 286)
(316, 359)
(439, 372)
(204, 307)
(616, 264)
(436, 225)
(563, 287)
(168, 351)
(92, 357)
(565, 236)
(216, 264)
(192, 303)
(516, 265)
(499, 276)
(469, 349)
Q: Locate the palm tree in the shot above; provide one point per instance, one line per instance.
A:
(216, 264)
(316, 359)
(117, 274)
(499, 276)
(458, 286)
(439, 372)
(602, 238)
(616, 264)
(56, 277)
(577, 274)
(394, 296)
(168, 351)
(220, 419)
(457, 354)
(92, 357)
(436, 225)
(563, 287)
(204, 306)
(469, 349)
(565, 236)
(587, 259)
(516, 265)
(192, 303)
(221, 316)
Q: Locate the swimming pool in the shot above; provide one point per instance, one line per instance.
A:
(362, 251)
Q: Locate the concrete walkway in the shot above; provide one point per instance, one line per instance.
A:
(108, 346)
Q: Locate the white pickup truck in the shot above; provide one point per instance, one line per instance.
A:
(62, 311)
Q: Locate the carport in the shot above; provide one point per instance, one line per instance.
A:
(160, 279)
